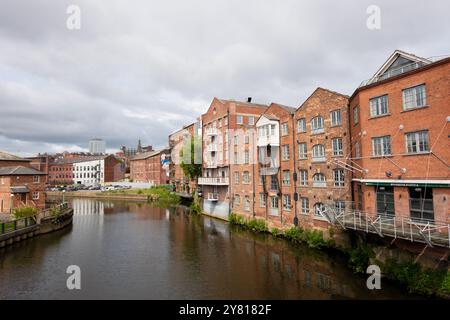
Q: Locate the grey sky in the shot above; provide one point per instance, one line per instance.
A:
(145, 68)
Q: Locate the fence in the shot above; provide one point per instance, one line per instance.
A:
(17, 224)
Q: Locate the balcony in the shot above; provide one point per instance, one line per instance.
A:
(212, 132)
(213, 196)
(212, 148)
(217, 181)
(212, 164)
(269, 171)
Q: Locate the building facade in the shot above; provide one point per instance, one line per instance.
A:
(151, 167)
(97, 146)
(227, 128)
(400, 132)
(97, 170)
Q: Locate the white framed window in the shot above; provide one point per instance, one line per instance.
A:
(247, 203)
(379, 106)
(336, 118)
(319, 180)
(251, 120)
(337, 147)
(246, 177)
(317, 125)
(357, 150)
(301, 125)
(414, 97)
(262, 200)
(318, 209)
(237, 199)
(303, 177)
(236, 140)
(287, 202)
(302, 151)
(274, 202)
(305, 205)
(246, 157)
(35, 195)
(246, 139)
(381, 146)
(273, 183)
(36, 179)
(286, 177)
(236, 158)
(237, 177)
(339, 179)
(417, 142)
(272, 129)
(285, 152)
(239, 119)
(318, 153)
(356, 115)
(339, 205)
(284, 129)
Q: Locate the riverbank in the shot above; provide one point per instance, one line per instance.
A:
(362, 251)
(32, 228)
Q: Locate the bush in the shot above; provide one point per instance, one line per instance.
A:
(258, 225)
(359, 258)
(293, 234)
(276, 232)
(25, 212)
(55, 211)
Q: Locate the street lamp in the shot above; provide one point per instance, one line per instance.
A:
(63, 192)
(11, 203)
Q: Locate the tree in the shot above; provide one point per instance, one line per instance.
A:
(191, 166)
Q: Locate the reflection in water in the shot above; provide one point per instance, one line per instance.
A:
(133, 250)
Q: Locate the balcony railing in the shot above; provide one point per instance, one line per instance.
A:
(213, 196)
(217, 181)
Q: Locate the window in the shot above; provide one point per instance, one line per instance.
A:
(237, 177)
(284, 129)
(35, 195)
(338, 175)
(246, 139)
(273, 183)
(286, 177)
(286, 202)
(305, 205)
(285, 152)
(246, 177)
(301, 125)
(336, 119)
(385, 200)
(246, 157)
(319, 180)
(236, 140)
(237, 199)
(36, 179)
(251, 120)
(318, 209)
(236, 158)
(303, 177)
(356, 115)
(414, 97)
(262, 200)
(247, 203)
(317, 125)
(239, 120)
(337, 147)
(379, 106)
(357, 150)
(339, 206)
(381, 146)
(302, 151)
(274, 202)
(272, 129)
(417, 142)
(421, 203)
(318, 153)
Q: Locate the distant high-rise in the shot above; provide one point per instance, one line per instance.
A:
(97, 146)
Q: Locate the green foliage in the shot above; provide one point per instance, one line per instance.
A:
(313, 238)
(162, 195)
(293, 234)
(55, 211)
(25, 212)
(276, 232)
(359, 258)
(190, 168)
(258, 225)
(195, 205)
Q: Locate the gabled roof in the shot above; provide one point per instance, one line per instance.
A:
(247, 104)
(322, 89)
(79, 159)
(19, 171)
(146, 155)
(291, 110)
(4, 156)
(401, 58)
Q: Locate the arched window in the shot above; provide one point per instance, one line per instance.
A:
(317, 125)
(319, 207)
(319, 180)
(318, 153)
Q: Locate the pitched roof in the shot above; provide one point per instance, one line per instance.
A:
(146, 155)
(248, 104)
(10, 157)
(287, 108)
(79, 159)
(19, 171)
(323, 89)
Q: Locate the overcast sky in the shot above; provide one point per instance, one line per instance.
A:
(146, 68)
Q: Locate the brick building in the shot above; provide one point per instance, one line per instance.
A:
(400, 139)
(20, 184)
(60, 172)
(227, 129)
(177, 141)
(151, 167)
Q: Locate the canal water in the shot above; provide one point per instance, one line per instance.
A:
(138, 251)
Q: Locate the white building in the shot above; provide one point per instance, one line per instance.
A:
(97, 146)
(89, 172)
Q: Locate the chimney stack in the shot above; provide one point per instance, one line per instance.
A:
(249, 99)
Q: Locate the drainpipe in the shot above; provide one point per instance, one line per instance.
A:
(294, 176)
(253, 167)
(229, 164)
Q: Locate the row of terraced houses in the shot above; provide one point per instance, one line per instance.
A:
(383, 151)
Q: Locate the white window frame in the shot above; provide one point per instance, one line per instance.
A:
(287, 202)
(382, 144)
(239, 119)
(304, 205)
(36, 179)
(251, 120)
(302, 150)
(285, 154)
(286, 177)
(379, 106)
(237, 177)
(338, 147)
(301, 125)
(35, 195)
(317, 125)
(336, 118)
(316, 155)
(416, 137)
(246, 177)
(303, 179)
(411, 96)
(284, 129)
(339, 177)
(262, 200)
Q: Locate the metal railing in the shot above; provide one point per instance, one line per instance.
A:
(50, 212)
(213, 181)
(17, 224)
(431, 232)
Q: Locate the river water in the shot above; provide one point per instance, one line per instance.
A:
(131, 250)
